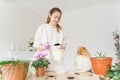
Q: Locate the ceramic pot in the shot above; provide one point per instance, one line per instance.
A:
(101, 65)
(14, 72)
(40, 71)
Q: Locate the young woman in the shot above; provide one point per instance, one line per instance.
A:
(50, 36)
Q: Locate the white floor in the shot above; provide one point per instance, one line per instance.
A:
(68, 75)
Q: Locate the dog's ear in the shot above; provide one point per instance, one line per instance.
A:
(78, 51)
(85, 52)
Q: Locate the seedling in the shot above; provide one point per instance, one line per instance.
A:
(100, 54)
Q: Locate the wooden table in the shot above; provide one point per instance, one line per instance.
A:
(68, 75)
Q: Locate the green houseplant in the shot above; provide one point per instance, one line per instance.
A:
(40, 63)
(100, 54)
(14, 69)
(100, 63)
(114, 72)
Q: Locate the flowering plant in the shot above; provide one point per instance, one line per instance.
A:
(114, 72)
(41, 61)
(117, 44)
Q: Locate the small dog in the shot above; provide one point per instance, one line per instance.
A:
(82, 59)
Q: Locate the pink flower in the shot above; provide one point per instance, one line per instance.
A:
(118, 60)
(41, 54)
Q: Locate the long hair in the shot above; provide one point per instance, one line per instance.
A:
(55, 9)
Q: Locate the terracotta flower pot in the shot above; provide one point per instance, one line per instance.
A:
(40, 71)
(13, 72)
(101, 65)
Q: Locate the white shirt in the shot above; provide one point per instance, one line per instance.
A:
(47, 33)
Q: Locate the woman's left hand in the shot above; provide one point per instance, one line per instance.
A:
(47, 45)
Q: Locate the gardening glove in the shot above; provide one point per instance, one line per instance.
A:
(47, 45)
(60, 47)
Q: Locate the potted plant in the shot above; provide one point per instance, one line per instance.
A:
(101, 63)
(40, 63)
(114, 72)
(14, 69)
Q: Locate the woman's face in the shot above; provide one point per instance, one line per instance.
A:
(55, 18)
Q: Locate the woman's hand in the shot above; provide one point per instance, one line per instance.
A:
(47, 45)
(43, 47)
(62, 47)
